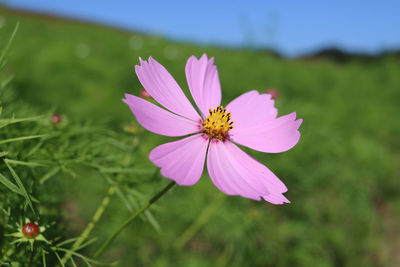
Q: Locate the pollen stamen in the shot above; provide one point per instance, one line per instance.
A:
(217, 124)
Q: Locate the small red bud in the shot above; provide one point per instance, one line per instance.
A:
(273, 92)
(30, 229)
(56, 118)
(144, 94)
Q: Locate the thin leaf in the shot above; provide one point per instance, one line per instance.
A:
(9, 43)
(152, 221)
(10, 185)
(73, 262)
(87, 243)
(147, 214)
(59, 258)
(3, 153)
(23, 138)
(35, 148)
(119, 192)
(71, 240)
(20, 185)
(84, 258)
(50, 174)
(25, 163)
(44, 257)
(34, 199)
(69, 171)
(6, 81)
(13, 120)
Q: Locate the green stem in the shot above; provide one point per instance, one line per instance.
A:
(133, 217)
(31, 258)
(90, 226)
(198, 223)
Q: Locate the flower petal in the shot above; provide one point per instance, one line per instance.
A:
(203, 80)
(163, 88)
(250, 109)
(271, 136)
(236, 173)
(158, 120)
(182, 160)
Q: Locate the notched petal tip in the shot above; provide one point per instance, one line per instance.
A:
(236, 173)
(298, 123)
(141, 61)
(276, 199)
(153, 61)
(292, 116)
(127, 95)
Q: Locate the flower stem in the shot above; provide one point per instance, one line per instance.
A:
(133, 217)
(31, 258)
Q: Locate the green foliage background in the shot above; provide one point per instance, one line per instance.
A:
(343, 176)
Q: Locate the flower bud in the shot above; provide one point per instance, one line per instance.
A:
(273, 92)
(144, 94)
(56, 118)
(30, 229)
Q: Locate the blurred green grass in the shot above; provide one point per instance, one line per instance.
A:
(343, 176)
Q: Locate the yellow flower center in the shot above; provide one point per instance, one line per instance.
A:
(217, 124)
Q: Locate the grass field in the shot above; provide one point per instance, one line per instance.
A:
(343, 175)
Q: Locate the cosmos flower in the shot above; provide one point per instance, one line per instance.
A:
(214, 132)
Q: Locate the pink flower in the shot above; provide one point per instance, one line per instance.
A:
(249, 120)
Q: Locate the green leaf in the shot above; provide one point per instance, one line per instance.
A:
(73, 262)
(44, 257)
(23, 138)
(68, 241)
(87, 260)
(25, 163)
(35, 148)
(8, 43)
(10, 185)
(6, 81)
(20, 185)
(5, 122)
(152, 221)
(50, 174)
(58, 258)
(87, 243)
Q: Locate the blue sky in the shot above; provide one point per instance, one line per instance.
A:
(291, 27)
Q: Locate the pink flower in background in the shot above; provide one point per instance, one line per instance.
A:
(249, 120)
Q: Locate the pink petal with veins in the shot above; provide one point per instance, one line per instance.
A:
(273, 136)
(250, 109)
(182, 160)
(158, 120)
(203, 80)
(163, 88)
(236, 173)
